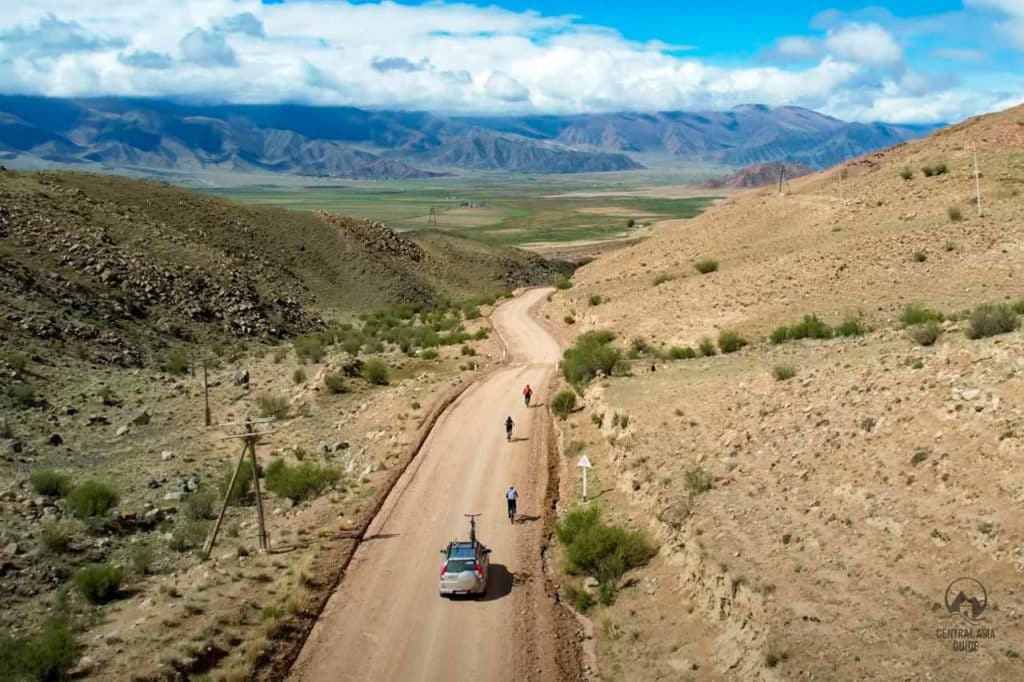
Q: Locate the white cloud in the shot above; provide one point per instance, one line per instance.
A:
(207, 49)
(441, 56)
(502, 86)
(864, 44)
(797, 47)
(1012, 27)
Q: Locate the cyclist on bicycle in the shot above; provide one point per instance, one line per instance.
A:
(508, 428)
(511, 496)
(527, 394)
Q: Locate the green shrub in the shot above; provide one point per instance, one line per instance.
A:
(176, 361)
(707, 347)
(23, 395)
(243, 484)
(50, 482)
(1018, 306)
(46, 655)
(300, 482)
(429, 354)
(269, 405)
(375, 372)
(597, 419)
(600, 550)
(936, 169)
(299, 375)
(309, 348)
(91, 499)
(631, 223)
(989, 320)
(592, 353)
(595, 299)
(279, 355)
(98, 583)
(914, 314)
(17, 362)
(682, 353)
(730, 342)
(699, 480)
(335, 383)
(563, 404)
(706, 265)
(467, 350)
(187, 534)
(663, 277)
(811, 327)
(920, 256)
(199, 505)
(924, 334)
(55, 536)
(955, 214)
(851, 326)
(141, 557)
(471, 312)
(563, 283)
(783, 372)
(906, 173)
(569, 319)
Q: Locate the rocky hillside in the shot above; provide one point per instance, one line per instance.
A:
(759, 175)
(815, 482)
(118, 268)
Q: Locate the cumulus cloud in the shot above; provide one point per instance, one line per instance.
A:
(51, 36)
(207, 49)
(245, 23)
(502, 86)
(864, 44)
(456, 57)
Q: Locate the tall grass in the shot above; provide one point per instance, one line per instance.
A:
(300, 482)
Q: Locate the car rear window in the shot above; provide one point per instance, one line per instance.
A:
(460, 565)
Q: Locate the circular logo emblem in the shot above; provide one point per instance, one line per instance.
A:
(967, 598)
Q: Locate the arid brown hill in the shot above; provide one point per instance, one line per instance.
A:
(116, 266)
(759, 175)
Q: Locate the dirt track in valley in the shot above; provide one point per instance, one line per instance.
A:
(386, 620)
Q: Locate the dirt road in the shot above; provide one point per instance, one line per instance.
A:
(386, 621)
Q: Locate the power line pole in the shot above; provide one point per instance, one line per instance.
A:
(250, 436)
(432, 218)
(977, 179)
(206, 393)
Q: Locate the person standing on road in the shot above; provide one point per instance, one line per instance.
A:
(508, 428)
(527, 394)
(511, 496)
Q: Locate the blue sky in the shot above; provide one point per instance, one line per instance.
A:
(900, 61)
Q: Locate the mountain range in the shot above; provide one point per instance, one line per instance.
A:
(356, 143)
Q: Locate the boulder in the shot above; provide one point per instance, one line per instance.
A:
(55, 439)
(176, 496)
(142, 418)
(122, 430)
(166, 455)
(241, 377)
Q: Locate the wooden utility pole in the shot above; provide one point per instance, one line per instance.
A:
(250, 438)
(206, 393)
(977, 179)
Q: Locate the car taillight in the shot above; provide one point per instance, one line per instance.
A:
(444, 569)
(479, 570)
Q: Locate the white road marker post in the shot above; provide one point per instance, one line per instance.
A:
(584, 464)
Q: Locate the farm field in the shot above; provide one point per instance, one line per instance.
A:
(497, 209)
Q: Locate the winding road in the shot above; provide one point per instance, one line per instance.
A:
(386, 620)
